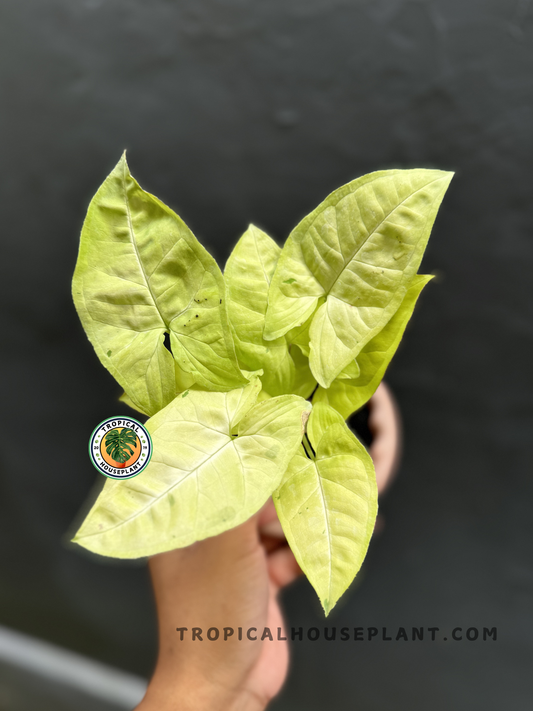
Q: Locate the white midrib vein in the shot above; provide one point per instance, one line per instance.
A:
(376, 228)
(141, 265)
(134, 243)
(328, 528)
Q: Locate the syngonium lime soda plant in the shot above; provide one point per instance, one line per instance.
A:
(248, 377)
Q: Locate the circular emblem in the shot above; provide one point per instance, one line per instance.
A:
(120, 447)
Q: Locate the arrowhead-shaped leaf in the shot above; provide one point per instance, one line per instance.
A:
(360, 249)
(248, 273)
(141, 273)
(201, 480)
(327, 505)
(304, 382)
(348, 394)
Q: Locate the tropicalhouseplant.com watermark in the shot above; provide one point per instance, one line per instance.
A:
(342, 634)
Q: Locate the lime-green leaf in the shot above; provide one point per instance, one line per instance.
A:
(248, 273)
(328, 506)
(360, 249)
(323, 418)
(304, 382)
(348, 395)
(201, 480)
(129, 402)
(299, 335)
(241, 401)
(351, 371)
(141, 273)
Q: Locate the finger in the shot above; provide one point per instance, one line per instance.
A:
(267, 513)
(272, 529)
(282, 567)
(385, 425)
(379, 525)
(268, 521)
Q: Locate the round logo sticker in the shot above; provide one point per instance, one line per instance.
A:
(120, 448)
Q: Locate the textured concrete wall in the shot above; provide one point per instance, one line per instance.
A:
(236, 111)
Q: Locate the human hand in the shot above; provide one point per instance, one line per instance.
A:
(232, 580)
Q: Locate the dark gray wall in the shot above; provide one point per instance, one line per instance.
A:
(236, 111)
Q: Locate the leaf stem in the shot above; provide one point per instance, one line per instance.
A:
(308, 446)
(310, 398)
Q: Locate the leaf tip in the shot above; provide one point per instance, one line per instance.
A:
(448, 176)
(318, 373)
(77, 538)
(122, 167)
